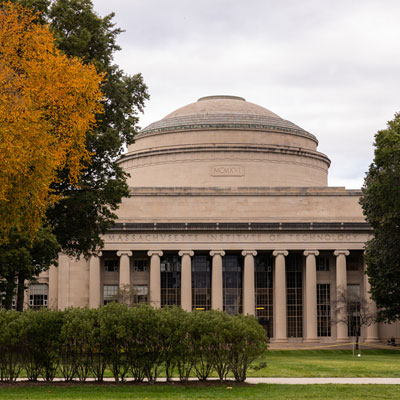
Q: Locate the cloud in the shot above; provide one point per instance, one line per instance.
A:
(330, 67)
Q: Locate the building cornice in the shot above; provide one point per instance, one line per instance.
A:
(242, 227)
(243, 191)
(245, 148)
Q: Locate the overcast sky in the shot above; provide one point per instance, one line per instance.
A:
(331, 67)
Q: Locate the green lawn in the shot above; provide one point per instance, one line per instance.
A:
(320, 363)
(177, 391)
(327, 363)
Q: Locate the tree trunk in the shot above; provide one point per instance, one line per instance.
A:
(20, 292)
(9, 294)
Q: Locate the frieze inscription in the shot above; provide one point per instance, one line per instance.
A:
(227, 170)
(235, 237)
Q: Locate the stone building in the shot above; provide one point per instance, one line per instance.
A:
(230, 209)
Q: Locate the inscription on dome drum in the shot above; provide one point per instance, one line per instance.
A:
(227, 170)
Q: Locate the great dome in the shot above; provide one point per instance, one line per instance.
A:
(224, 141)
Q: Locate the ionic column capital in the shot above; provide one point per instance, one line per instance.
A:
(249, 253)
(121, 253)
(217, 253)
(97, 254)
(189, 253)
(276, 253)
(155, 253)
(311, 253)
(340, 252)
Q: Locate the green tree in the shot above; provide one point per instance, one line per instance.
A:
(86, 209)
(381, 205)
(21, 260)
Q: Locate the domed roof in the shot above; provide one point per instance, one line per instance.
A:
(224, 112)
(224, 141)
(221, 105)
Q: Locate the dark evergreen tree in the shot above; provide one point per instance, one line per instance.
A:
(381, 205)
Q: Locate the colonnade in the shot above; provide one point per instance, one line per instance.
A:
(248, 288)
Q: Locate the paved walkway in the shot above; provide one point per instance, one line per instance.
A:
(323, 381)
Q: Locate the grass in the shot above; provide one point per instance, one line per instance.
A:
(327, 363)
(318, 363)
(177, 391)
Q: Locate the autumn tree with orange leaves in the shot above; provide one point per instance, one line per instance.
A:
(48, 104)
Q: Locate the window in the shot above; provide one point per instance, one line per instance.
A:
(140, 265)
(353, 309)
(170, 280)
(323, 263)
(201, 282)
(110, 293)
(324, 309)
(13, 301)
(141, 294)
(264, 291)
(354, 262)
(294, 295)
(232, 284)
(111, 265)
(38, 295)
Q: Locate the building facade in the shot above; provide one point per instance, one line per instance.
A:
(230, 209)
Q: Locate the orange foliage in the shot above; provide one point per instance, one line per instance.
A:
(48, 104)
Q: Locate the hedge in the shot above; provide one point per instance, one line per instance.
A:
(138, 341)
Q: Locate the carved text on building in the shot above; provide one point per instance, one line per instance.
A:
(227, 170)
(234, 237)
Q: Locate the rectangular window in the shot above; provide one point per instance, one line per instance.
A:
(110, 293)
(140, 294)
(140, 265)
(111, 265)
(13, 302)
(38, 294)
(353, 309)
(232, 270)
(323, 263)
(324, 309)
(264, 291)
(353, 262)
(294, 279)
(170, 280)
(201, 282)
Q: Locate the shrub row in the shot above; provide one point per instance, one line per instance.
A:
(80, 342)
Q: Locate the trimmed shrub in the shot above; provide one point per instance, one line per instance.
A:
(247, 341)
(113, 334)
(78, 342)
(201, 335)
(11, 326)
(41, 343)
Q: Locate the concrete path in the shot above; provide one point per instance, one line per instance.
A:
(323, 381)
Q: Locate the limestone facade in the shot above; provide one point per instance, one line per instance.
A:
(229, 209)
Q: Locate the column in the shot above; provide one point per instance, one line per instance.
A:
(216, 280)
(311, 296)
(124, 271)
(372, 330)
(155, 278)
(249, 307)
(95, 280)
(341, 286)
(186, 279)
(280, 314)
(53, 288)
(63, 281)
